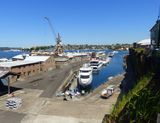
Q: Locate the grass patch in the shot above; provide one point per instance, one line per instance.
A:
(134, 92)
(139, 50)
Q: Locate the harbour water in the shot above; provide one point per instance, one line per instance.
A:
(9, 54)
(114, 68)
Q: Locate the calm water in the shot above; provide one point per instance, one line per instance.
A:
(9, 54)
(114, 68)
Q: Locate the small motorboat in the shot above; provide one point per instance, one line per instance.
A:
(108, 91)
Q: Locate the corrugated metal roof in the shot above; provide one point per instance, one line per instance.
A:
(27, 57)
(27, 60)
(37, 58)
(15, 63)
(21, 56)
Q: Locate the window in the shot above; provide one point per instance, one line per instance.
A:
(85, 71)
(85, 77)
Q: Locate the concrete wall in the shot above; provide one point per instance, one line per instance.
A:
(48, 65)
(59, 64)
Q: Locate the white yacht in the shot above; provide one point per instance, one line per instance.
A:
(111, 54)
(105, 61)
(95, 65)
(85, 75)
(100, 54)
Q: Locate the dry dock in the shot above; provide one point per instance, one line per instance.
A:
(48, 81)
(40, 109)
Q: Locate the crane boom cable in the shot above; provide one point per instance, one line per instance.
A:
(51, 26)
(58, 47)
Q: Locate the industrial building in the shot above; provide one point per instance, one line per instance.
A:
(30, 66)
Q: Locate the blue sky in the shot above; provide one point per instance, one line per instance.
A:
(22, 22)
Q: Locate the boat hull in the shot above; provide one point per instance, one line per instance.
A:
(85, 83)
(96, 68)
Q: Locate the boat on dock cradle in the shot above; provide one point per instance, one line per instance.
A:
(108, 91)
(96, 65)
(85, 75)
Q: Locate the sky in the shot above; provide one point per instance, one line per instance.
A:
(22, 22)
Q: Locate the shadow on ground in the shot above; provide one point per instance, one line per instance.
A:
(4, 89)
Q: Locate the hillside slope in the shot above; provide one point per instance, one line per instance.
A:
(140, 91)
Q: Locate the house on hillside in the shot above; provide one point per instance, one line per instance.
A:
(155, 35)
(146, 43)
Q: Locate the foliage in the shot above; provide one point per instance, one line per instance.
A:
(142, 103)
(126, 98)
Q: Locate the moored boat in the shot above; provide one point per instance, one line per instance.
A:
(85, 75)
(108, 91)
(105, 61)
(111, 54)
(95, 65)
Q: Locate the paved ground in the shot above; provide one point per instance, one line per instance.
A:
(48, 81)
(10, 117)
(55, 119)
(38, 107)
